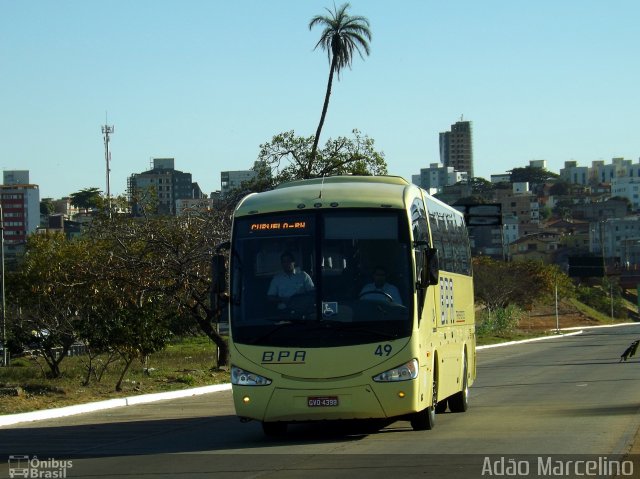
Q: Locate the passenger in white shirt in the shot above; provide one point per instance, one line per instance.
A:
(380, 290)
(288, 282)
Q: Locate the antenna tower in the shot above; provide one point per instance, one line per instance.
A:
(106, 131)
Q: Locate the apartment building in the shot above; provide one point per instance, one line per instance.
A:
(437, 176)
(456, 147)
(160, 187)
(20, 206)
(232, 180)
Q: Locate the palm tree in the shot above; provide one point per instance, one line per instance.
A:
(342, 35)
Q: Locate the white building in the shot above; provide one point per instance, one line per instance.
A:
(521, 188)
(437, 176)
(538, 164)
(574, 174)
(501, 178)
(606, 173)
(628, 188)
(509, 229)
(230, 180)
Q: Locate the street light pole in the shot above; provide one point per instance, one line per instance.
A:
(5, 352)
(557, 317)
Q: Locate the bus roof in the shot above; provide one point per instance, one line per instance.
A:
(328, 192)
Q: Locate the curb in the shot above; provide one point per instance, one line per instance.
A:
(108, 404)
(539, 338)
(576, 330)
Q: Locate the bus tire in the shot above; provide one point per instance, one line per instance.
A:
(441, 406)
(425, 420)
(274, 429)
(459, 402)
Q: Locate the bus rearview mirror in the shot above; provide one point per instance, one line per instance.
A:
(433, 266)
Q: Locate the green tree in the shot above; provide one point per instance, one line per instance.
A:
(481, 187)
(563, 208)
(45, 289)
(289, 156)
(533, 175)
(171, 258)
(498, 285)
(560, 188)
(342, 35)
(46, 206)
(87, 198)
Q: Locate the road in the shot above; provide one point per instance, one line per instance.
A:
(555, 400)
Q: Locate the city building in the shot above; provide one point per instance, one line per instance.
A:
(456, 147)
(20, 202)
(509, 229)
(501, 178)
(629, 188)
(437, 176)
(541, 246)
(523, 206)
(603, 173)
(542, 164)
(617, 240)
(572, 173)
(160, 187)
(232, 180)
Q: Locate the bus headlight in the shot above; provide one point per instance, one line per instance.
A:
(240, 377)
(405, 372)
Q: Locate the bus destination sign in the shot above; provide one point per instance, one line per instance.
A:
(278, 226)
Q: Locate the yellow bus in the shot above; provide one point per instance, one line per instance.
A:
(351, 297)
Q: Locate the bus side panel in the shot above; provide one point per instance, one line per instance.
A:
(455, 335)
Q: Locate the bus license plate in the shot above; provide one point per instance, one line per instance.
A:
(322, 401)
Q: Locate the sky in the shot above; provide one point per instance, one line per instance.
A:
(207, 81)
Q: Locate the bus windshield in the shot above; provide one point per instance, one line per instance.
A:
(319, 279)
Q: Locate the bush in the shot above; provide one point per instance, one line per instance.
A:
(500, 321)
(599, 298)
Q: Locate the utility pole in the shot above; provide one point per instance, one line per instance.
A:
(557, 317)
(106, 131)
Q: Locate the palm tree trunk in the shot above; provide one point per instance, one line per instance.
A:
(324, 111)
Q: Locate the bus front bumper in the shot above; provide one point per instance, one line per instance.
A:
(379, 401)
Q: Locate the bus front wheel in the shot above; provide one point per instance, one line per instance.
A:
(425, 420)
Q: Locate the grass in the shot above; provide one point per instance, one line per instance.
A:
(590, 312)
(182, 364)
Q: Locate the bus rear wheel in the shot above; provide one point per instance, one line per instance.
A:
(274, 429)
(459, 402)
(425, 420)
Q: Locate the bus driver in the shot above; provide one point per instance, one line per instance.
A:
(380, 288)
(289, 281)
